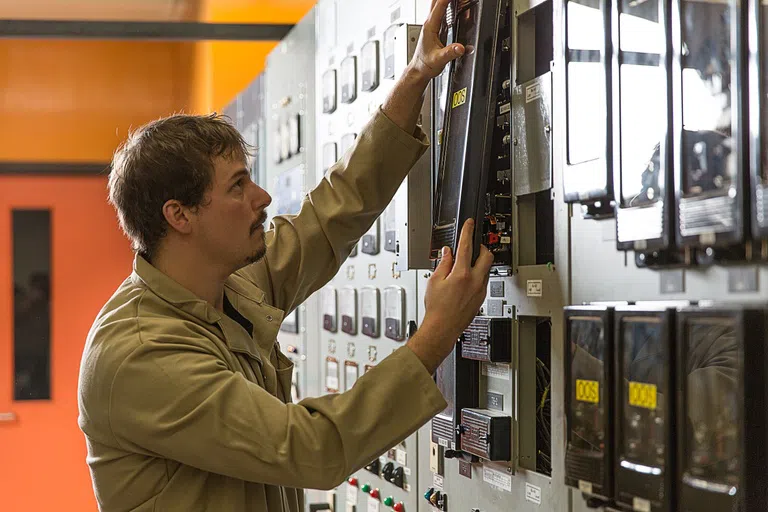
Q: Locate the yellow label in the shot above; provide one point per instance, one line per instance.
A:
(459, 98)
(642, 395)
(588, 391)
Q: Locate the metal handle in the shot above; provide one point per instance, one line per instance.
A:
(7, 417)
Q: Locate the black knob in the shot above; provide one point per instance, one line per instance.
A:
(373, 467)
(387, 470)
(452, 454)
(412, 328)
(398, 477)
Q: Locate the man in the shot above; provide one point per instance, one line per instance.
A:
(183, 388)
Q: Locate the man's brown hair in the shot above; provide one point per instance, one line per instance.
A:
(171, 158)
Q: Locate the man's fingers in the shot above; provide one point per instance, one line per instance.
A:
(464, 250)
(447, 54)
(446, 264)
(436, 15)
(484, 261)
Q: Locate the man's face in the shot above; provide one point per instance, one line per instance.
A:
(230, 223)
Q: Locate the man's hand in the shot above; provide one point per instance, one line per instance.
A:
(454, 295)
(431, 55)
(403, 104)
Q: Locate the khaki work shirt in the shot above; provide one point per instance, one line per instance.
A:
(184, 410)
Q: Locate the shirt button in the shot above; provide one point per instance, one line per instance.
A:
(269, 318)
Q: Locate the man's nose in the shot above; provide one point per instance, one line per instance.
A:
(261, 198)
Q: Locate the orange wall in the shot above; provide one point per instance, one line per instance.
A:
(234, 65)
(75, 100)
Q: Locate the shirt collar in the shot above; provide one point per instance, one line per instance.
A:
(172, 292)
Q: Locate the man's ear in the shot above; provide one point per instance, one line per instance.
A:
(177, 216)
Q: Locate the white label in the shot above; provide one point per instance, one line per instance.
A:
(407, 471)
(443, 443)
(506, 239)
(641, 505)
(437, 482)
(373, 504)
(585, 486)
(401, 457)
(504, 109)
(533, 494)
(497, 479)
(498, 371)
(532, 92)
(707, 238)
(535, 287)
(351, 494)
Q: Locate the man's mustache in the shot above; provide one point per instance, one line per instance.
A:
(262, 220)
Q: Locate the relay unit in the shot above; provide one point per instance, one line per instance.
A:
(721, 448)
(474, 179)
(488, 339)
(589, 399)
(486, 433)
(645, 407)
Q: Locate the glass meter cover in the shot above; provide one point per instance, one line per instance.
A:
(389, 51)
(390, 227)
(331, 375)
(369, 61)
(712, 406)
(369, 310)
(330, 155)
(328, 305)
(347, 141)
(708, 141)
(285, 141)
(394, 312)
(371, 239)
(329, 91)
(348, 309)
(294, 129)
(587, 176)
(349, 79)
(351, 374)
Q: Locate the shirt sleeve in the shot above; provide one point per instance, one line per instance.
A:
(181, 403)
(306, 250)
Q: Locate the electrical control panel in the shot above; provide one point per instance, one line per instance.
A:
(247, 112)
(604, 148)
(288, 176)
(368, 306)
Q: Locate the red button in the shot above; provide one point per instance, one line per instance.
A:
(352, 481)
(399, 507)
(374, 493)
